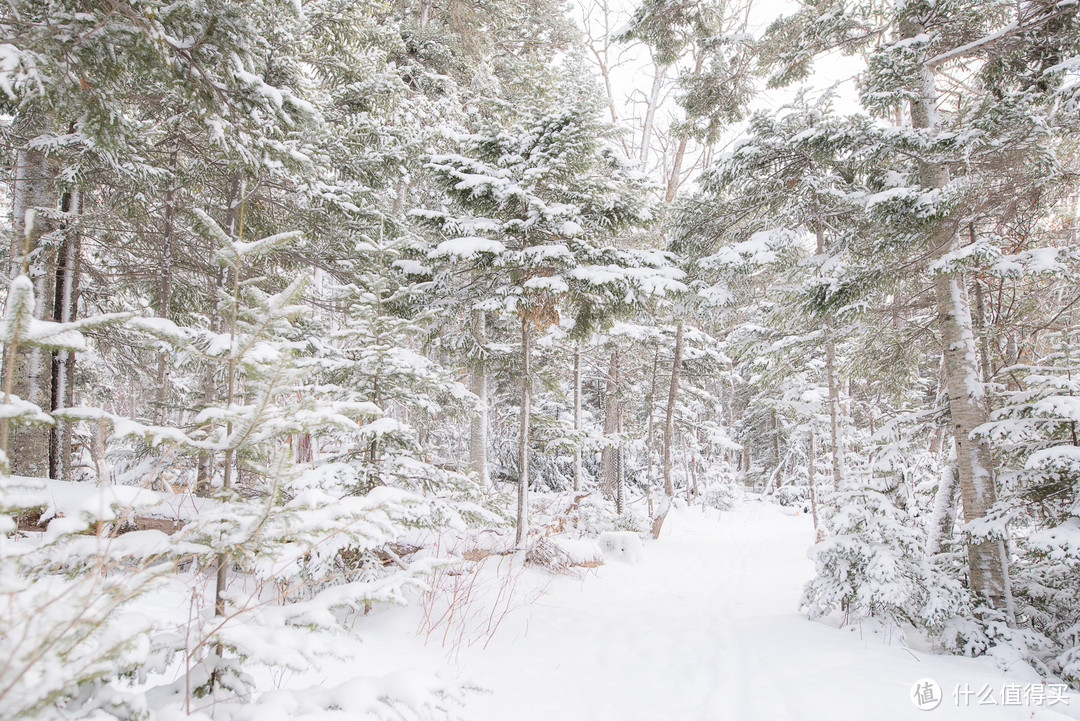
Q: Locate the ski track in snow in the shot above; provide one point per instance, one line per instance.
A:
(704, 628)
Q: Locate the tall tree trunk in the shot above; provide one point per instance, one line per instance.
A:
(981, 331)
(523, 443)
(165, 286)
(65, 310)
(608, 457)
(987, 564)
(204, 473)
(619, 459)
(650, 402)
(675, 179)
(987, 561)
(730, 453)
(669, 417)
(690, 459)
(235, 228)
(478, 427)
(577, 416)
(940, 528)
(836, 436)
(669, 433)
(34, 190)
(650, 113)
(811, 471)
(217, 282)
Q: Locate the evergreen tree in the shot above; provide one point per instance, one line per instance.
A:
(909, 46)
(537, 202)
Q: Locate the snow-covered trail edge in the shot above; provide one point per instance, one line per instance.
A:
(705, 627)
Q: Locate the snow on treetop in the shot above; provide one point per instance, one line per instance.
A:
(10, 59)
(1058, 457)
(1035, 261)
(1059, 542)
(553, 283)
(759, 249)
(411, 267)
(20, 326)
(466, 248)
(537, 253)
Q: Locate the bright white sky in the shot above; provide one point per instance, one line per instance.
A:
(632, 71)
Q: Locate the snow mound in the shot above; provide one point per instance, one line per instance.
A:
(621, 546)
(581, 551)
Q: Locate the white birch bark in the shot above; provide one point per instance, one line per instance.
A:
(33, 196)
(165, 286)
(669, 433)
(987, 562)
(608, 462)
(478, 428)
(577, 416)
(650, 114)
(63, 361)
(523, 444)
(836, 436)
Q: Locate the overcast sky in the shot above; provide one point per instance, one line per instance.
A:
(631, 70)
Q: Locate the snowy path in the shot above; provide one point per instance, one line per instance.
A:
(704, 628)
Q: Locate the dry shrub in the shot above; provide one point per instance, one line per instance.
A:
(463, 605)
(546, 554)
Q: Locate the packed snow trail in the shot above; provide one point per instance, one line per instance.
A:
(703, 628)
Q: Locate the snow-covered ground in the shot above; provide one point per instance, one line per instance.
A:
(703, 627)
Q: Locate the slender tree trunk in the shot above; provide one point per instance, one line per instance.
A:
(478, 428)
(981, 331)
(937, 441)
(373, 447)
(63, 362)
(650, 113)
(68, 398)
(987, 561)
(577, 416)
(608, 460)
(523, 444)
(691, 472)
(669, 417)
(940, 528)
(812, 477)
(836, 436)
(217, 282)
(33, 195)
(619, 458)
(775, 423)
(235, 228)
(204, 473)
(675, 179)
(165, 286)
(651, 402)
(731, 410)
(669, 433)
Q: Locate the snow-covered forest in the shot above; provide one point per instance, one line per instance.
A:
(493, 359)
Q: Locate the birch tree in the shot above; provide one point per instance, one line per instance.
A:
(911, 47)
